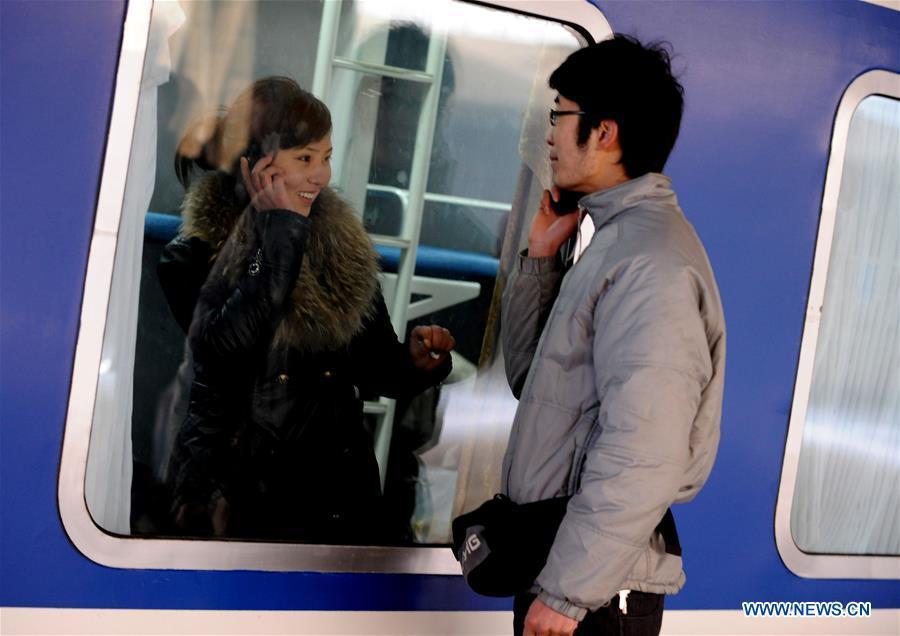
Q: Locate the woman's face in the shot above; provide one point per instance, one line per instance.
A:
(305, 169)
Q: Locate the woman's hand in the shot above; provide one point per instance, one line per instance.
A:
(550, 230)
(265, 185)
(429, 346)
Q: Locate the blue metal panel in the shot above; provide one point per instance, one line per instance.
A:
(763, 81)
(58, 63)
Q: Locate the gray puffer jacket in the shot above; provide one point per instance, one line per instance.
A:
(619, 366)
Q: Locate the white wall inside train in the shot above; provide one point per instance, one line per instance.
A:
(107, 487)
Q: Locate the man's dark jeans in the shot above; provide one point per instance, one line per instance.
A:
(644, 617)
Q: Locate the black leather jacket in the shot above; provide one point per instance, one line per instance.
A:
(276, 430)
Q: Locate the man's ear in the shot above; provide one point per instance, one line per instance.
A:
(607, 134)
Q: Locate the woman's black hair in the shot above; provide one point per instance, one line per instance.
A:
(632, 84)
(271, 114)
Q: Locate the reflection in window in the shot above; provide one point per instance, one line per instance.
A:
(456, 208)
(846, 499)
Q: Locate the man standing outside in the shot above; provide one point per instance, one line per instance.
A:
(618, 360)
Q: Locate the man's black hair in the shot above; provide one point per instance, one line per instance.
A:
(632, 84)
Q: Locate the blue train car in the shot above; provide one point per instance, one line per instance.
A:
(787, 166)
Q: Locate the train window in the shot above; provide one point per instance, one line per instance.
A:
(839, 505)
(327, 435)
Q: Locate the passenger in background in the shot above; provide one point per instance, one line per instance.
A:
(276, 280)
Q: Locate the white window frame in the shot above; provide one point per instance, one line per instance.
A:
(206, 554)
(826, 566)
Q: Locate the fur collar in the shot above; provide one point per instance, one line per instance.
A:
(338, 280)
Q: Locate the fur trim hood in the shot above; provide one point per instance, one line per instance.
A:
(333, 296)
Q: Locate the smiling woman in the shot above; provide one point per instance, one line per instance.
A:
(286, 333)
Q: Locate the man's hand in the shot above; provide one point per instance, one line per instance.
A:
(429, 346)
(550, 230)
(543, 621)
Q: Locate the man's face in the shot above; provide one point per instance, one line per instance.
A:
(574, 167)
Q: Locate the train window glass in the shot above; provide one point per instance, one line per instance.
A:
(846, 499)
(839, 495)
(437, 111)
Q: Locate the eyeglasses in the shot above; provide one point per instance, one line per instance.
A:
(556, 114)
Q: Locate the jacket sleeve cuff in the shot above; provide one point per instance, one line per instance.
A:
(562, 606)
(538, 265)
(282, 224)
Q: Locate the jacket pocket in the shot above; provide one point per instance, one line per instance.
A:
(578, 458)
(586, 430)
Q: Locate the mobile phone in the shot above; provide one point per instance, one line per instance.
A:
(568, 202)
(257, 150)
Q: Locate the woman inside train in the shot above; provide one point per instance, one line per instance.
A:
(276, 282)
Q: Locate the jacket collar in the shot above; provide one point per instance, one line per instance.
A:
(334, 292)
(604, 205)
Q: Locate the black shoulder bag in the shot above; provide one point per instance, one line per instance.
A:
(502, 546)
